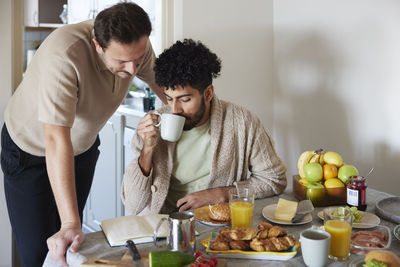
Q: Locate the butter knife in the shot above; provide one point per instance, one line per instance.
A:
(304, 207)
(136, 259)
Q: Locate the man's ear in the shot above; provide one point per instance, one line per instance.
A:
(97, 45)
(209, 93)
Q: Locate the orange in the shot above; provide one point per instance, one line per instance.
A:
(333, 183)
(330, 171)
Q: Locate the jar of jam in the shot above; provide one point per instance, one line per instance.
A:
(356, 192)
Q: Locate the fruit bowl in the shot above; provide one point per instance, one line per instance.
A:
(320, 197)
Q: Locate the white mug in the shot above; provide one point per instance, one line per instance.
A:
(315, 247)
(171, 126)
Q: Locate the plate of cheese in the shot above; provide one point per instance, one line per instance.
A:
(283, 212)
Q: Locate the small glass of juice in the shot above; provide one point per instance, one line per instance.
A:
(338, 223)
(241, 205)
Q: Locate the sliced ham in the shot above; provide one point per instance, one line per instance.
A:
(370, 239)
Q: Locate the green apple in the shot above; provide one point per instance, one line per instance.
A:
(346, 171)
(316, 193)
(314, 185)
(334, 158)
(313, 172)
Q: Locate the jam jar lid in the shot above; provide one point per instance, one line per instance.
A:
(356, 182)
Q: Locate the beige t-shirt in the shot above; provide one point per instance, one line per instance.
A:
(192, 164)
(68, 84)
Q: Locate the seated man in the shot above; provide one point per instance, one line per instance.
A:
(221, 144)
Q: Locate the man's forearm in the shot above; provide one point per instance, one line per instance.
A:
(145, 161)
(224, 193)
(60, 168)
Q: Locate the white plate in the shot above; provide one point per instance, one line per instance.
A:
(269, 213)
(211, 223)
(369, 220)
(201, 215)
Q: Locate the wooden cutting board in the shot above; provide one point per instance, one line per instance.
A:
(126, 261)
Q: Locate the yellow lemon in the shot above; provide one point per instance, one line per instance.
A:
(333, 183)
(334, 158)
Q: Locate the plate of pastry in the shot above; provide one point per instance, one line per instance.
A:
(214, 215)
(269, 213)
(266, 242)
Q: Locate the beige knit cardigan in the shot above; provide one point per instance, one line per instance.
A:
(241, 151)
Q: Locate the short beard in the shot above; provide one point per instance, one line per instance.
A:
(116, 72)
(197, 116)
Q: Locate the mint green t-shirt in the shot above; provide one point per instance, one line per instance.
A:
(192, 163)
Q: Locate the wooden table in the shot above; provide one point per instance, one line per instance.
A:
(96, 246)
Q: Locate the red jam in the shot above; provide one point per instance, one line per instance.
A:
(356, 192)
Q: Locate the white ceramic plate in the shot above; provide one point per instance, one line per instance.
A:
(201, 215)
(269, 213)
(369, 220)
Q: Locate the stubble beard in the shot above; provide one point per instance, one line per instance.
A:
(197, 116)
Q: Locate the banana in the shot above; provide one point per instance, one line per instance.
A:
(304, 159)
(321, 158)
(315, 158)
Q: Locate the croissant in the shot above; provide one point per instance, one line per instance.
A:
(269, 245)
(290, 240)
(276, 231)
(242, 233)
(218, 244)
(264, 226)
(279, 244)
(225, 232)
(221, 242)
(257, 245)
(239, 244)
(272, 244)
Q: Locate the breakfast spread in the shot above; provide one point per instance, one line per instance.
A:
(265, 237)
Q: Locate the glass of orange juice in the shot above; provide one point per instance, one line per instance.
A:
(338, 223)
(241, 204)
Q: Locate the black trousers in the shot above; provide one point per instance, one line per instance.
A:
(30, 201)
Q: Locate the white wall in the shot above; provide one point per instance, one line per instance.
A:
(319, 74)
(241, 36)
(336, 70)
(5, 92)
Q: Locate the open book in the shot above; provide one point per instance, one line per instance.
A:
(139, 229)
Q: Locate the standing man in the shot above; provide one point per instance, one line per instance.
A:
(222, 143)
(75, 82)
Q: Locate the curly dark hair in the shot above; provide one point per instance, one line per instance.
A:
(187, 63)
(124, 22)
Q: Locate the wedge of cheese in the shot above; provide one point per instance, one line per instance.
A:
(285, 210)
